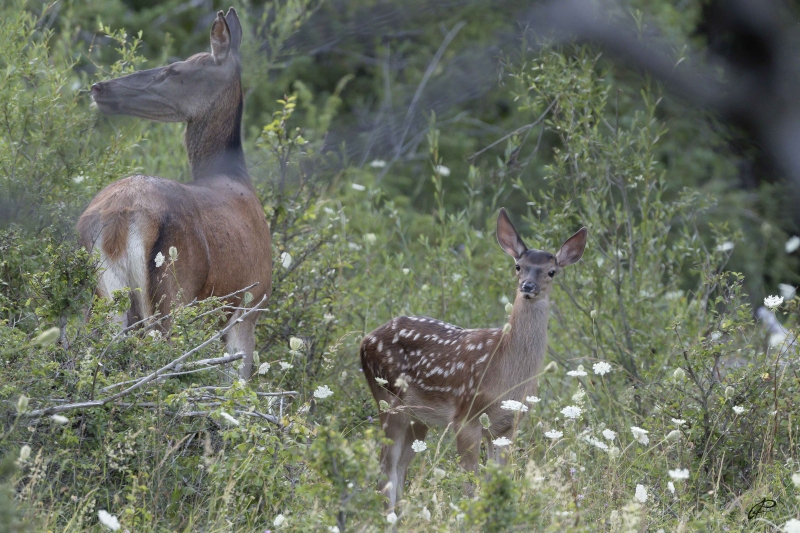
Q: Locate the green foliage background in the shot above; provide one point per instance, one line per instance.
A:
(360, 143)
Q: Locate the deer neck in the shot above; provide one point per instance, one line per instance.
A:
(214, 140)
(526, 343)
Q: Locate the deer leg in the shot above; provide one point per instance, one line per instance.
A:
(242, 338)
(396, 456)
(468, 444)
(416, 431)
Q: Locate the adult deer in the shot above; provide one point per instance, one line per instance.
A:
(433, 373)
(215, 222)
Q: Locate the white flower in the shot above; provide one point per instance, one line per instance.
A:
(391, 518)
(438, 473)
(679, 374)
(640, 435)
(671, 487)
(509, 307)
(792, 526)
(673, 435)
(406, 271)
(506, 328)
(159, 259)
(602, 368)
(796, 480)
(285, 365)
(79, 178)
(370, 238)
(381, 381)
(613, 452)
(532, 399)
(571, 411)
(263, 369)
(24, 453)
(58, 419)
(443, 170)
(513, 405)
(173, 253)
(358, 187)
(772, 302)
(419, 446)
(578, 372)
(500, 442)
(296, 344)
(553, 434)
(641, 493)
(286, 262)
(787, 291)
(594, 442)
(609, 434)
(377, 163)
(333, 529)
(738, 409)
(425, 514)
(278, 520)
(792, 244)
(229, 418)
(726, 246)
(322, 392)
(108, 520)
(401, 383)
(328, 317)
(678, 421)
(679, 474)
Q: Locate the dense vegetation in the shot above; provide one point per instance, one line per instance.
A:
(382, 138)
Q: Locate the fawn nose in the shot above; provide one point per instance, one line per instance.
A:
(529, 286)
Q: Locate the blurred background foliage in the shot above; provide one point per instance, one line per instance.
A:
(382, 136)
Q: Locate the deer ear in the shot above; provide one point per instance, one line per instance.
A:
(508, 237)
(572, 250)
(220, 39)
(235, 28)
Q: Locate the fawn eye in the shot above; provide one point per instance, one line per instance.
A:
(517, 267)
(551, 273)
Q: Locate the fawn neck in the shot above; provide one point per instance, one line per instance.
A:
(524, 346)
(214, 139)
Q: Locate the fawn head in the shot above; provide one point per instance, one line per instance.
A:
(536, 268)
(184, 90)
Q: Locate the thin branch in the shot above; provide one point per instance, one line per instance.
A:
(526, 127)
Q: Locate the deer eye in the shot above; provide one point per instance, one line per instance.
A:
(551, 273)
(517, 267)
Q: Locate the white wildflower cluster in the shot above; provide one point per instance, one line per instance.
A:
(553, 434)
(596, 443)
(609, 434)
(640, 435)
(679, 474)
(501, 441)
(419, 446)
(578, 372)
(791, 526)
(773, 302)
(532, 399)
(513, 405)
(641, 493)
(738, 409)
(322, 392)
(571, 411)
(792, 244)
(108, 520)
(602, 368)
(678, 421)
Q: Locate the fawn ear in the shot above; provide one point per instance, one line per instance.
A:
(572, 250)
(235, 28)
(508, 237)
(220, 39)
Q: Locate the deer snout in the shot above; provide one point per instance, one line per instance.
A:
(97, 88)
(529, 287)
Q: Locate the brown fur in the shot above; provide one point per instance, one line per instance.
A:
(453, 375)
(216, 222)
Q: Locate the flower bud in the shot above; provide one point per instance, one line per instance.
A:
(674, 435)
(484, 420)
(48, 336)
(22, 404)
(438, 473)
(509, 307)
(679, 374)
(729, 392)
(173, 253)
(506, 328)
(593, 314)
(24, 453)
(296, 344)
